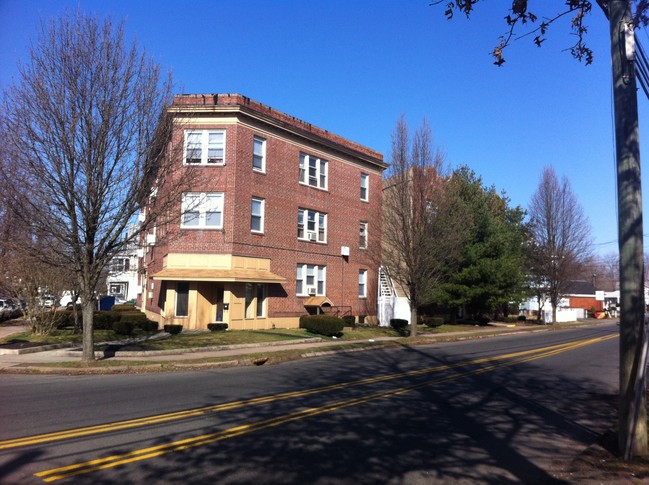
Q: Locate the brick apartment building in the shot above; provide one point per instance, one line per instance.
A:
(284, 219)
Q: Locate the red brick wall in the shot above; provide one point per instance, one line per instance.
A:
(283, 195)
(586, 303)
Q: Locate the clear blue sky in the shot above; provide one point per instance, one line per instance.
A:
(354, 66)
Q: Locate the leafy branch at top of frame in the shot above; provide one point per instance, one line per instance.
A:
(520, 17)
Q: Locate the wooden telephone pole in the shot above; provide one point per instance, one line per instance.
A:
(633, 353)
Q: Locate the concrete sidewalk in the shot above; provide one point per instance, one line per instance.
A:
(233, 354)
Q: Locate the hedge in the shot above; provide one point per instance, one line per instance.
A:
(104, 320)
(350, 320)
(123, 307)
(134, 316)
(173, 329)
(323, 325)
(123, 327)
(147, 325)
(217, 327)
(433, 322)
(398, 323)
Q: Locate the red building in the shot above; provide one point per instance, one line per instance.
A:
(281, 219)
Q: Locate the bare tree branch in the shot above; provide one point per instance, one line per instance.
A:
(87, 129)
(560, 236)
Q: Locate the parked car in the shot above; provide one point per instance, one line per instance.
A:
(48, 301)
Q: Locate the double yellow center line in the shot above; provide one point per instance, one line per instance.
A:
(151, 452)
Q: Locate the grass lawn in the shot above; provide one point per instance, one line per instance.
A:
(60, 336)
(232, 337)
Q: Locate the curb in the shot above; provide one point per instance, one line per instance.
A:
(242, 360)
(191, 350)
(33, 350)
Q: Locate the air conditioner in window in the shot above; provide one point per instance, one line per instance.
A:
(150, 239)
(312, 236)
(311, 290)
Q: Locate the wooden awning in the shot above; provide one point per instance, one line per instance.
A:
(318, 301)
(225, 275)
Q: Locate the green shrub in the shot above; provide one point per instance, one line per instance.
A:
(323, 325)
(217, 327)
(433, 321)
(123, 327)
(483, 320)
(103, 320)
(124, 307)
(398, 323)
(136, 316)
(173, 329)
(349, 320)
(63, 319)
(521, 318)
(146, 325)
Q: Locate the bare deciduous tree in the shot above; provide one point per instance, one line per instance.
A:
(418, 238)
(87, 131)
(561, 236)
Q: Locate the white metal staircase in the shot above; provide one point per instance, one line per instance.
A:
(386, 288)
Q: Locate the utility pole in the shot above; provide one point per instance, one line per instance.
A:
(632, 407)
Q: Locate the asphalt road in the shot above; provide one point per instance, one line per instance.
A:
(498, 410)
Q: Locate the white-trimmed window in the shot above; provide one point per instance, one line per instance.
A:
(362, 283)
(205, 147)
(255, 300)
(313, 171)
(362, 235)
(365, 187)
(259, 154)
(311, 280)
(257, 215)
(311, 225)
(202, 210)
(120, 265)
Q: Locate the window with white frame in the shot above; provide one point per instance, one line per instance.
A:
(119, 265)
(259, 154)
(205, 147)
(362, 235)
(255, 300)
(311, 225)
(362, 283)
(257, 215)
(365, 187)
(311, 280)
(202, 210)
(313, 171)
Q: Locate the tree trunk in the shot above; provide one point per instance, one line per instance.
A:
(88, 312)
(413, 320)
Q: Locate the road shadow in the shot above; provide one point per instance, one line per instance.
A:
(458, 424)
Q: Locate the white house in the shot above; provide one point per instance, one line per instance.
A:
(122, 281)
(392, 302)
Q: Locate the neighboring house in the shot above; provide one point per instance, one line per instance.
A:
(580, 297)
(392, 300)
(283, 220)
(123, 280)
